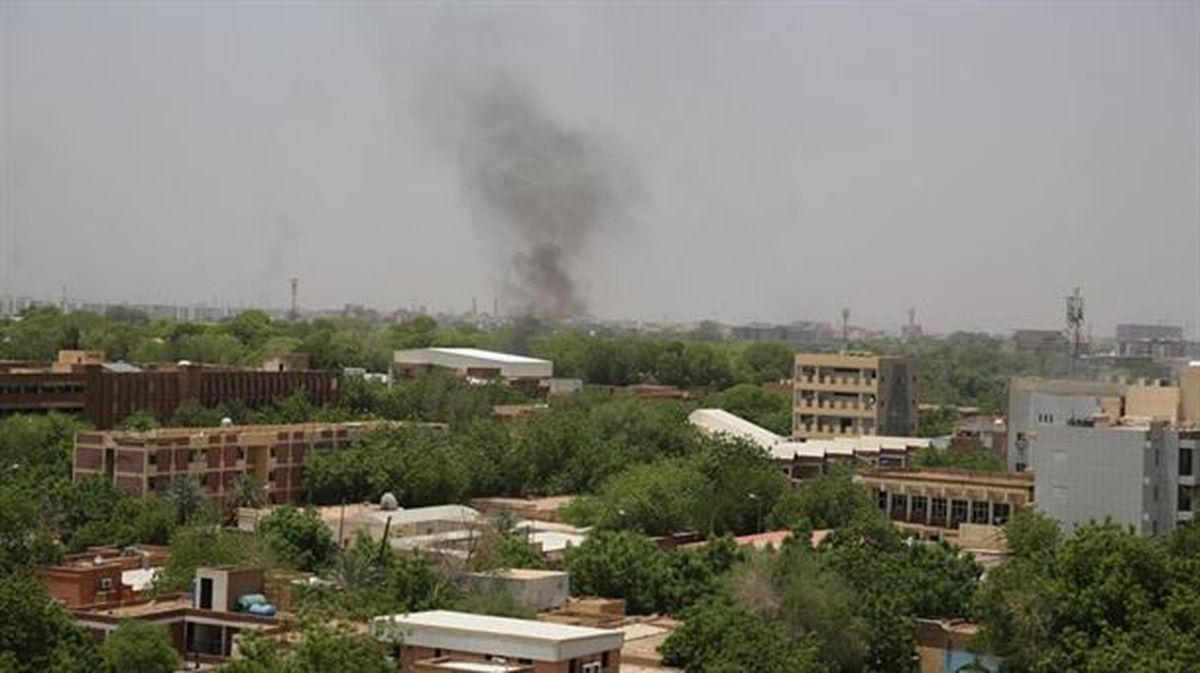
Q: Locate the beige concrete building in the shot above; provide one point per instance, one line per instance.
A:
(935, 503)
(849, 394)
(145, 463)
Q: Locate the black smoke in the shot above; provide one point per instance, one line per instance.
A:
(540, 192)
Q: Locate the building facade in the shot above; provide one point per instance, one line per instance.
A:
(145, 463)
(1142, 476)
(935, 503)
(106, 394)
(841, 394)
(1153, 342)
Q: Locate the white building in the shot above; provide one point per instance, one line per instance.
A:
(442, 639)
(472, 363)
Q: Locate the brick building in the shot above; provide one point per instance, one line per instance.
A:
(108, 393)
(145, 463)
(101, 574)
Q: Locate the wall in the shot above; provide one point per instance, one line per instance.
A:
(1089, 473)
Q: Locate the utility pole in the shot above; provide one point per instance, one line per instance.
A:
(294, 313)
(845, 329)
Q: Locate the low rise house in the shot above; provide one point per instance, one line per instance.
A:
(537, 589)
(102, 574)
(428, 637)
(202, 626)
(944, 647)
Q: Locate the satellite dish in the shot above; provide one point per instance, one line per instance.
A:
(226, 422)
(388, 502)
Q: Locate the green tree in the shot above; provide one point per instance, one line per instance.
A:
(187, 497)
(319, 648)
(716, 637)
(139, 647)
(198, 546)
(298, 537)
(248, 491)
(976, 460)
(621, 564)
(139, 421)
(830, 500)
(38, 635)
(764, 361)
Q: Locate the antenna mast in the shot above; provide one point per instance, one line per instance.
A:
(1075, 327)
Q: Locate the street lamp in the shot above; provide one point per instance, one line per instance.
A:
(758, 501)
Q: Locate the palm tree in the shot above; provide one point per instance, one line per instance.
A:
(248, 491)
(186, 495)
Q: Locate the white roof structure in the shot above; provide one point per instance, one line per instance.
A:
(499, 636)
(462, 360)
(719, 422)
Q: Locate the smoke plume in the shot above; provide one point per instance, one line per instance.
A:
(540, 192)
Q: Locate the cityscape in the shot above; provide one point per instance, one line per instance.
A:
(463, 355)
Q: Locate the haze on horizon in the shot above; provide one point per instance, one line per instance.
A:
(974, 161)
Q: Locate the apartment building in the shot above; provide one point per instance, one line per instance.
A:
(848, 394)
(442, 640)
(935, 503)
(145, 463)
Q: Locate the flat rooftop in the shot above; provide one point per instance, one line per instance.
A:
(465, 622)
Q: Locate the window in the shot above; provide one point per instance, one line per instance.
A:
(899, 502)
(591, 667)
(1184, 499)
(979, 512)
(920, 506)
(1000, 513)
(958, 511)
(1185, 462)
(881, 498)
(938, 508)
(106, 584)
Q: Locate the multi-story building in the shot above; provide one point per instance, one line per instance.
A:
(1153, 342)
(107, 393)
(1040, 341)
(441, 640)
(795, 335)
(935, 503)
(145, 463)
(1140, 475)
(1034, 404)
(841, 394)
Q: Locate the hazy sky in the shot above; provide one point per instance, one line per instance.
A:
(972, 161)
